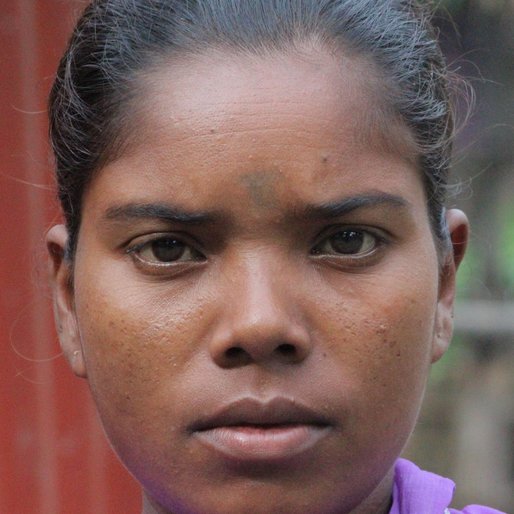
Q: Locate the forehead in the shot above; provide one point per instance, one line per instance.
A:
(305, 125)
(219, 90)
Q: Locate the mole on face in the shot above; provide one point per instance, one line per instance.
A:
(261, 187)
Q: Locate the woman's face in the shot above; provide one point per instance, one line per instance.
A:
(256, 297)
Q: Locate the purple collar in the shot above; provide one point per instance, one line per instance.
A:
(419, 492)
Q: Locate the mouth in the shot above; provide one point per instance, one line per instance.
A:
(251, 430)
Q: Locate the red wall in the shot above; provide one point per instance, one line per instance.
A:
(53, 456)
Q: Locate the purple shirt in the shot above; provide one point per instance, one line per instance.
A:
(420, 492)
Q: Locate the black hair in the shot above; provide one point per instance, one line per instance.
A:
(115, 41)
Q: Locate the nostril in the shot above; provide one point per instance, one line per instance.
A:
(233, 357)
(239, 355)
(286, 349)
(234, 353)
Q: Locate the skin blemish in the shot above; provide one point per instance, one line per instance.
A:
(261, 187)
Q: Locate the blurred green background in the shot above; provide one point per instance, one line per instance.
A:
(466, 429)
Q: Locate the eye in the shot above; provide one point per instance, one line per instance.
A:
(164, 250)
(348, 242)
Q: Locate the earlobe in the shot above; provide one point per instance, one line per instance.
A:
(458, 227)
(60, 273)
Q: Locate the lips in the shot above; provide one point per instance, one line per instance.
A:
(252, 430)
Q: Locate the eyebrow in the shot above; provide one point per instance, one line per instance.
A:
(164, 212)
(346, 205)
(171, 214)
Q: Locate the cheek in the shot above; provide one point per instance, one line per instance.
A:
(139, 344)
(138, 340)
(380, 336)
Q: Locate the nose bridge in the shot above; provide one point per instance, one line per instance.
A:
(262, 308)
(258, 292)
(259, 318)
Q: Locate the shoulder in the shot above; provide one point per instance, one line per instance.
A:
(417, 491)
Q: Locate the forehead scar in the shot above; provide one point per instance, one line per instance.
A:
(261, 187)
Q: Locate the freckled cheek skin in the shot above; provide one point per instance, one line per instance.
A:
(379, 332)
(138, 340)
(136, 354)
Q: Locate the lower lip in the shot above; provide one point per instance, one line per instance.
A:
(260, 444)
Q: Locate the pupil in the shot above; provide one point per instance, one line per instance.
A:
(348, 242)
(168, 250)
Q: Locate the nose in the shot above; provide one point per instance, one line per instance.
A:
(260, 319)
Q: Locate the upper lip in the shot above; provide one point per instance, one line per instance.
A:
(254, 412)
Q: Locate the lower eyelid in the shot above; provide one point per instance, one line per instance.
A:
(165, 270)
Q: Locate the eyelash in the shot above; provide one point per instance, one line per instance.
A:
(180, 246)
(375, 240)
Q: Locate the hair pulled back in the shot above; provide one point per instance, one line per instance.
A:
(116, 41)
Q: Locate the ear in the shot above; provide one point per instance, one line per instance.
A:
(60, 270)
(458, 227)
